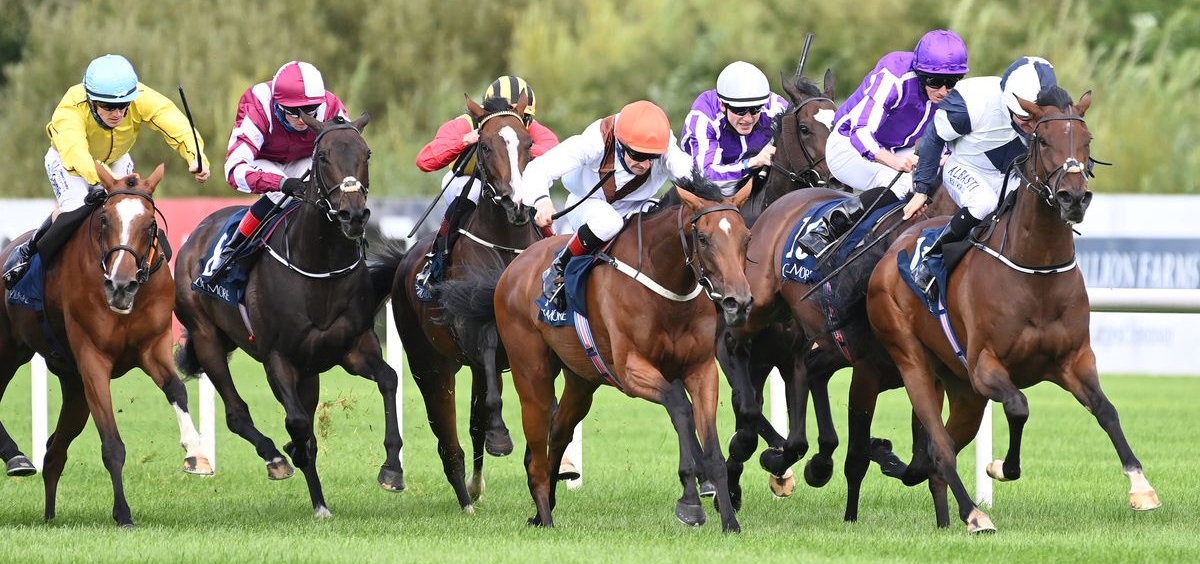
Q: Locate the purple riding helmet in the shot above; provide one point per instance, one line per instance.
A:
(940, 52)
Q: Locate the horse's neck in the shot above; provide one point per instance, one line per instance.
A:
(490, 223)
(661, 254)
(1035, 234)
(314, 241)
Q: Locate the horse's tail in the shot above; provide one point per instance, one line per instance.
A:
(470, 298)
(382, 265)
(185, 357)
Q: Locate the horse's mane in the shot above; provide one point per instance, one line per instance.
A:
(496, 104)
(697, 184)
(1054, 96)
(807, 86)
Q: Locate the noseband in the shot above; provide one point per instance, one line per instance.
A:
(145, 269)
(809, 177)
(691, 252)
(324, 191)
(1047, 186)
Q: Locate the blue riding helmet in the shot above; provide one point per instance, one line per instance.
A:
(111, 78)
(941, 52)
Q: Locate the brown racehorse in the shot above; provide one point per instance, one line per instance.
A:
(309, 306)
(437, 345)
(1019, 309)
(656, 339)
(108, 301)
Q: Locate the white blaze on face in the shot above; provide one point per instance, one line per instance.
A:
(512, 145)
(725, 226)
(825, 117)
(128, 212)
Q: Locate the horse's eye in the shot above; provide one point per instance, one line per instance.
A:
(703, 239)
(804, 130)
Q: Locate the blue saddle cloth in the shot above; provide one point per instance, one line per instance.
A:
(906, 262)
(800, 266)
(228, 286)
(30, 291)
(575, 285)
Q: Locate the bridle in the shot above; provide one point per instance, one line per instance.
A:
(1046, 187)
(317, 179)
(809, 177)
(480, 172)
(145, 267)
(691, 252)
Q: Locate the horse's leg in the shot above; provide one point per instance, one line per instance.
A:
(71, 419)
(304, 441)
(574, 405)
(992, 380)
(17, 464)
(366, 360)
(864, 394)
(156, 362)
(533, 379)
(96, 374)
(733, 352)
(819, 469)
(436, 382)
(477, 430)
(498, 440)
(1084, 383)
(701, 384)
(213, 358)
(691, 454)
(966, 414)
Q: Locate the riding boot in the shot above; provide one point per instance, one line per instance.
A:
(583, 242)
(958, 228)
(824, 231)
(18, 261)
(439, 252)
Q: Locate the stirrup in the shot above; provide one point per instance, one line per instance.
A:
(813, 241)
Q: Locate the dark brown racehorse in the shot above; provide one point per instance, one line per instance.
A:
(655, 339)
(1019, 309)
(309, 306)
(437, 346)
(108, 300)
(799, 138)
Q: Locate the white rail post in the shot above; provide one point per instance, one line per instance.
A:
(395, 357)
(40, 408)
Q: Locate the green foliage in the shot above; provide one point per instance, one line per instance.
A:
(409, 62)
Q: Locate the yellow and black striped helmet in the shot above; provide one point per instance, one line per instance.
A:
(510, 88)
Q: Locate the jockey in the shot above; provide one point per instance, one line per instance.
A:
(876, 130)
(99, 120)
(460, 190)
(728, 131)
(270, 147)
(987, 129)
(629, 155)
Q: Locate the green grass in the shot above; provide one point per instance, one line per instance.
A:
(1070, 504)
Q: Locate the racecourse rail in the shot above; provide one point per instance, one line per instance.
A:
(1119, 300)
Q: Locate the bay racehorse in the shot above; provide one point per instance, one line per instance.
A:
(438, 345)
(107, 304)
(652, 338)
(309, 306)
(1017, 314)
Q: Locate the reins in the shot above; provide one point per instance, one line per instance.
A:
(145, 268)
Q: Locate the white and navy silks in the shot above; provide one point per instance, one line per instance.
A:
(984, 141)
(577, 161)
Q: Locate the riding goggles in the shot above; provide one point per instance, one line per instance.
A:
(638, 156)
(754, 110)
(311, 110)
(936, 81)
(112, 106)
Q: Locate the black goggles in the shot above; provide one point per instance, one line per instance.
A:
(638, 156)
(295, 111)
(755, 110)
(936, 81)
(112, 106)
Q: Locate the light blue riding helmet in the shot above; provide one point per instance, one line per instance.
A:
(111, 78)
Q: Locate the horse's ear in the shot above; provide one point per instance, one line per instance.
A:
(689, 199)
(522, 102)
(1034, 110)
(155, 177)
(789, 87)
(312, 122)
(361, 122)
(830, 84)
(106, 177)
(1084, 103)
(474, 109)
(742, 195)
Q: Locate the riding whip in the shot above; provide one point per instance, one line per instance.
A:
(195, 136)
(603, 179)
(462, 162)
(808, 38)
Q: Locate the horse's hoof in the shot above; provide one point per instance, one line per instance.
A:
(391, 480)
(21, 466)
(818, 471)
(279, 469)
(690, 515)
(475, 487)
(322, 512)
(733, 527)
(978, 522)
(126, 526)
(568, 471)
(995, 469)
(198, 465)
(772, 460)
(536, 521)
(782, 487)
(498, 442)
(1144, 501)
(708, 489)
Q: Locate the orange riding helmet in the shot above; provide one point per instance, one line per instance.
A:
(644, 127)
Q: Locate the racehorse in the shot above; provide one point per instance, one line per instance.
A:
(437, 345)
(1018, 307)
(800, 134)
(308, 308)
(653, 339)
(99, 325)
